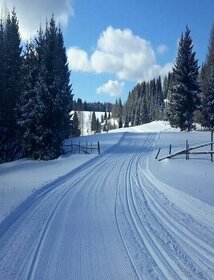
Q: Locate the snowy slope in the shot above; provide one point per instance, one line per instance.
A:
(85, 118)
(120, 215)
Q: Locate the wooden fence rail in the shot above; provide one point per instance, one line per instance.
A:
(88, 148)
(189, 150)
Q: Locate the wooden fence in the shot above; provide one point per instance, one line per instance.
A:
(190, 150)
(88, 148)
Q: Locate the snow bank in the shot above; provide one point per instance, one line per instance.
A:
(154, 126)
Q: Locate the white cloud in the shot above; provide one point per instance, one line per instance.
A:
(33, 13)
(161, 49)
(120, 52)
(78, 59)
(111, 88)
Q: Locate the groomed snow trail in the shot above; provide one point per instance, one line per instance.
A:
(106, 220)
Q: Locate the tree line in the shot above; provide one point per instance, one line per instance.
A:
(79, 105)
(185, 96)
(35, 92)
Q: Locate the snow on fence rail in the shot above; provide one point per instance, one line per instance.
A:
(187, 150)
(88, 148)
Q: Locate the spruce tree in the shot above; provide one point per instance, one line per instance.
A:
(75, 126)
(120, 124)
(58, 97)
(184, 98)
(27, 108)
(48, 93)
(10, 88)
(98, 126)
(208, 108)
(206, 81)
(93, 122)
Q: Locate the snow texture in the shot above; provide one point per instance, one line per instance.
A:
(118, 215)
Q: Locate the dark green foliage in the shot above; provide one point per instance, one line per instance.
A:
(117, 109)
(79, 105)
(120, 124)
(93, 122)
(184, 97)
(126, 124)
(75, 126)
(46, 101)
(98, 126)
(208, 108)
(105, 116)
(10, 87)
(145, 103)
(206, 84)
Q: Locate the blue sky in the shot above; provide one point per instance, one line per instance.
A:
(114, 44)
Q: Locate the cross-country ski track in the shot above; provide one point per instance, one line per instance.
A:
(106, 220)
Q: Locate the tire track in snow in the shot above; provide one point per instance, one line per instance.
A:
(140, 225)
(51, 216)
(200, 251)
(113, 163)
(147, 270)
(147, 227)
(194, 267)
(162, 263)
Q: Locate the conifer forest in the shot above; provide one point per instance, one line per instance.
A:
(36, 93)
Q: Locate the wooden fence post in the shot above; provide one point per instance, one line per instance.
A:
(98, 147)
(79, 147)
(170, 149)
(158, 153)
(187, 150)
(211, 155)
(86, 147)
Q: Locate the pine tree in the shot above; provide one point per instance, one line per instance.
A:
(120, 124)
(184, 99)
(27, 107)
(206, 81)
(98, 126)
(208, 108)
(105, 116)
(93, 122)
(10, 78)
(102, 119)
(47, 94)
(126, 124)
(58, 99)
(75, 126)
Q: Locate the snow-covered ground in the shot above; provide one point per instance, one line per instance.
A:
(21, 178)
(118, 215)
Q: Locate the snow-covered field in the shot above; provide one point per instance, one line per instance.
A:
(118, 215)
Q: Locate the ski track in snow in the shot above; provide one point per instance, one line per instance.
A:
(108, 219)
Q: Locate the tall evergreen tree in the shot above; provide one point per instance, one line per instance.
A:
(184, 99)
(208, 108)
(98, 126)
(93, 122)
(206, 82)
(75, 126)
(49, 95)
(10, 78)
(27, 108)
